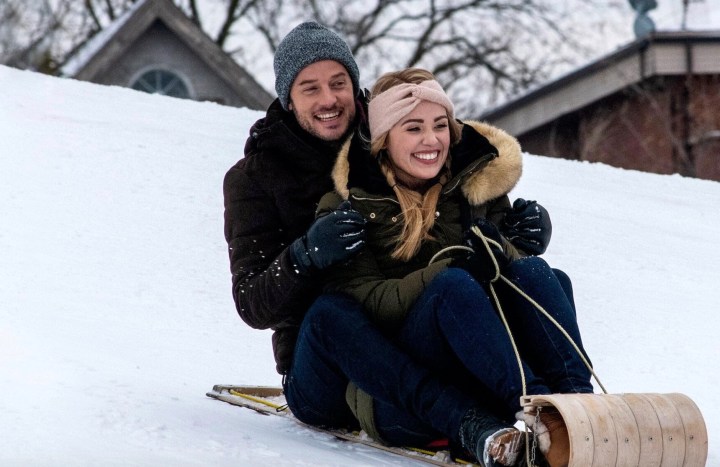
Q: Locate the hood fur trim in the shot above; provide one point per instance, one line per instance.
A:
(492, 180)
(341, 171)
(501, 174)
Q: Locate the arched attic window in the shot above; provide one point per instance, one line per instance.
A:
(160, 81)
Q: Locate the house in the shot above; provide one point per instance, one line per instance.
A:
(154, 47)
(653, 105)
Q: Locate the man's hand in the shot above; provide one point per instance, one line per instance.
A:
(331, 239)
(527, 226)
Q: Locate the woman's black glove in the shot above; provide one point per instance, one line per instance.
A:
(331, 239)
(527, 226)
(484, 263)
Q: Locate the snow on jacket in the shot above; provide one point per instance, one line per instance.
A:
(485, 165)
(270, 200)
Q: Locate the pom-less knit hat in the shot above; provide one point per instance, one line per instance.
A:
(306, 44)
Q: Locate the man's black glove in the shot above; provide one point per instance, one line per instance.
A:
(331, 239)
(485, 263)
(527, 226)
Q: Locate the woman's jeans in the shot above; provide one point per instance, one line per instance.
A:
(452, 353)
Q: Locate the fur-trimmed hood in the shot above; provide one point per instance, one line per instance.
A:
(486, 163)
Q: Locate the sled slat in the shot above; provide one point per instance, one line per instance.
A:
(258, 391)
(696, 440)
(673, 432)
(578, 426)
(626, 430)
(649, 428)
(605, 447)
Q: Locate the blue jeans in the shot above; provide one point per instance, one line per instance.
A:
(452, 353)
(338, 344)
(455, 330)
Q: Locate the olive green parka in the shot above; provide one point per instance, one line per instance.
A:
(485, 165)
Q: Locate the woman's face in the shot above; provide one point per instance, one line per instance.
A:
(418, 144)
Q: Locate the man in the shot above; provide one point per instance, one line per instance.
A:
(271, 194)
(337, 368)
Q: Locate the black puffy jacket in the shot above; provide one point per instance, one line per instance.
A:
(270, 200)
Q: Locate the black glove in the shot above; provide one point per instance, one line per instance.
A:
(481, 263)
(527, 226)
(331, 239)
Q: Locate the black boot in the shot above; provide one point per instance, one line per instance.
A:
(492, 442)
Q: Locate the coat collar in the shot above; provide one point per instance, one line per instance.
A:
(486, 164)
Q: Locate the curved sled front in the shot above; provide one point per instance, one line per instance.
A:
(629, 429)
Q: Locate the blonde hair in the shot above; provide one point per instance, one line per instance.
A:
(418, 209)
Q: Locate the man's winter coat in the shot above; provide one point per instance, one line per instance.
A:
(270, 200)
(485, 165)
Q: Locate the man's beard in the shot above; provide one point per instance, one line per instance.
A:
(306, 124)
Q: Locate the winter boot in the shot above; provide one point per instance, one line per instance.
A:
(493, 443)
(504, 447)
(511, 440)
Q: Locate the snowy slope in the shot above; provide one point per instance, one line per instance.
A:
(115, 306)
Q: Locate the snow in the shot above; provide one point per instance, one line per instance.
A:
(115, 308)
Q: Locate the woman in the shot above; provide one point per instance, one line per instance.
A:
(426, 182)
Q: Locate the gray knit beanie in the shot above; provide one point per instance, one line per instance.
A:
(306, 44)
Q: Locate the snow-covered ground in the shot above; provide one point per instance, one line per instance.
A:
(115, 307)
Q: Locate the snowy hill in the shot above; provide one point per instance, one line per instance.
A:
(115, 307)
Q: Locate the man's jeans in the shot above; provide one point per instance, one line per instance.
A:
(338, 344)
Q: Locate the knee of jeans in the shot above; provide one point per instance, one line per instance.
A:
(332, 312)
(530, 266)
(453, 277)
(329, 305)
(563, 278)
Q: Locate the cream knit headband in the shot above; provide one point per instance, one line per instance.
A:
(389, 107)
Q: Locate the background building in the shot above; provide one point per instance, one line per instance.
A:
(653, 105)
(154, 47)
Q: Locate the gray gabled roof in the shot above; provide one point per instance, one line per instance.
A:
(103, 49)
(659, 54)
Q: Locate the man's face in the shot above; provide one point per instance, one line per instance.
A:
(321, 97)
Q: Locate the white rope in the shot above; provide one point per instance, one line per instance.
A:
(449, 248)
(512, 341)
(560, 328)
(487, 241)
(476, 230)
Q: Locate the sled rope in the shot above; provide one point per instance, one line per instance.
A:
(486, 241)
(512, 341)
(530, 457)
(557, 325)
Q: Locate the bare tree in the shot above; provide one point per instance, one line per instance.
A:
(41, 35)
(483, 51)
(24, 33)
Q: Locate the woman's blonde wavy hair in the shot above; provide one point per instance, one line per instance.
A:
(418, 209)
